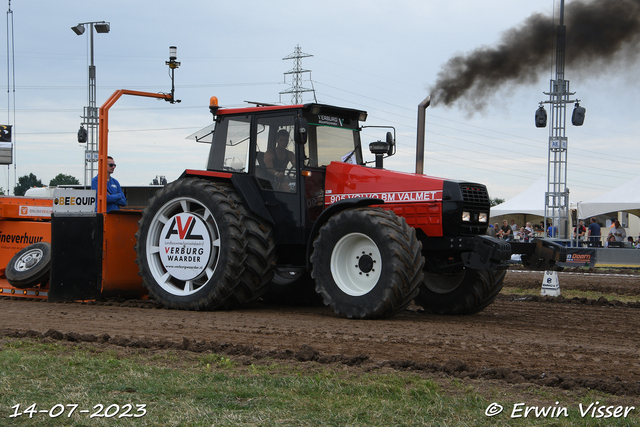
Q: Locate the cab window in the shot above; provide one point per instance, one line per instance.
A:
(276, 154)
(230, 146)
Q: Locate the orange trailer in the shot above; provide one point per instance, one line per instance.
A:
(23, 222)
(90, 256)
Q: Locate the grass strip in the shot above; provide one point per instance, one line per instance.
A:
(190, 389)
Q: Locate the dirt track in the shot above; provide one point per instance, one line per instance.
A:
(565, 344)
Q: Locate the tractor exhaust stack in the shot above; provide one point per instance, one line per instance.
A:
(421, 129)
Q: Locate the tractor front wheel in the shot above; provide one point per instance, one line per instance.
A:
(367, 263)
(466, 292)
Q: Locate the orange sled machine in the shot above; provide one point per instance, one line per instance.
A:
(93, 255)
(66, 247)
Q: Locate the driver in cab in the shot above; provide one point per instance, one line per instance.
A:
(277, 160)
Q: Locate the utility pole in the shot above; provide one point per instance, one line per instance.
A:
(8, 152)
(556, 206)
(297, 89)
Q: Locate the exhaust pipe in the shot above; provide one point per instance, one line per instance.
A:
(421, 129)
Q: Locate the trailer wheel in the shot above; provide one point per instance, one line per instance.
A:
(367, 263)
(30, 266)
(292, 288)
(468, 292)
(190, 245)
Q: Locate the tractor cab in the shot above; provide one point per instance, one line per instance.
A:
(245, 140)
(280, 154)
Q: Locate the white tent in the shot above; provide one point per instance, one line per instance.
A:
(530, 201)
(625, 198)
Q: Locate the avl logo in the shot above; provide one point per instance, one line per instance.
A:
(184, 232)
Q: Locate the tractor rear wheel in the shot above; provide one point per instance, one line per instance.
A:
(192, 245)
(367, 263)
(258, 264)
(467, 292)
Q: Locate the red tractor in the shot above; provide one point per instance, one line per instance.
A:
(288, 205)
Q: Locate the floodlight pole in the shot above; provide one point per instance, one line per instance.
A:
(556, 205)
(90, 116)
(90, 113)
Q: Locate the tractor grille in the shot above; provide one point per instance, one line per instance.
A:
(475, 197)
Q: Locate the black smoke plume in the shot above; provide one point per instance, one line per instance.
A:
(600, 34)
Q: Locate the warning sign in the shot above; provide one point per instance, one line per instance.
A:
(185, 246)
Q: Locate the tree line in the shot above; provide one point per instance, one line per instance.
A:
(496, 201)
(26, 182)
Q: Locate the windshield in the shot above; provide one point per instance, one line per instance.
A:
(332, 143)
(336, 144)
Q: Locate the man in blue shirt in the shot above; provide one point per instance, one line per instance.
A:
(115, 196)
(594, 230)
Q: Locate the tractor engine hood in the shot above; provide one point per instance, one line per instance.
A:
(346, 181)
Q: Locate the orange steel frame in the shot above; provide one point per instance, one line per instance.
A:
(119, 270)
(103, 138)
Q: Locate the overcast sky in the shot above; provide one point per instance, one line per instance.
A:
(379, 56)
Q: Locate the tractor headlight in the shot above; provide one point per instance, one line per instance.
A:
(483, 217)
(466, 216)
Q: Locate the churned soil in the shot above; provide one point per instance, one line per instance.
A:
(519, 340)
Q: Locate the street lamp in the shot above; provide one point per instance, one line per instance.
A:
(90, 116)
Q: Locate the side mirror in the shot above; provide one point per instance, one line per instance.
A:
(301, 130)
(392, 144)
